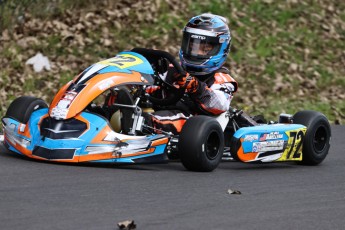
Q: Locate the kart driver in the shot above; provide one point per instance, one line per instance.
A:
(209, 86)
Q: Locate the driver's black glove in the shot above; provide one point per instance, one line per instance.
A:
(188, 82)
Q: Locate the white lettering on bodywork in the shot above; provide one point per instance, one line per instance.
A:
(268, 146)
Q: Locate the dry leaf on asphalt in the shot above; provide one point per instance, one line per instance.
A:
(234, 192)
(127, 225)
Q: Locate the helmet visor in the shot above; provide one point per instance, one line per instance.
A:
(199, 48)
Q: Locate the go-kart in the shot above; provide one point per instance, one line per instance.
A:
(99, 116)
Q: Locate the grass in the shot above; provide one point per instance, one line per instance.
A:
(267, 38)
(12, 10)
(264, 46)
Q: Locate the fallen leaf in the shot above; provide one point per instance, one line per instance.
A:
(5, 36)
(127, 225)
(234, 192)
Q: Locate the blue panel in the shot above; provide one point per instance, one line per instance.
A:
(97, 123)
(266, 129)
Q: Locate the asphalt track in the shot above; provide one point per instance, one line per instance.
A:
(40, 195)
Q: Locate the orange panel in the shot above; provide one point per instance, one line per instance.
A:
(97, 85)
(160, 142)
(245, 156)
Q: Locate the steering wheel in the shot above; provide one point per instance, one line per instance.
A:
(156, 57)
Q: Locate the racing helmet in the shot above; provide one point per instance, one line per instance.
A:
(205, 44)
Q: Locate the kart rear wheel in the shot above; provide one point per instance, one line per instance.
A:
(316, 142)
(201, 144)
(22, 108)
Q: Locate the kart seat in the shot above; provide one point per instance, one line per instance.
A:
(115, 121)
(122, 120)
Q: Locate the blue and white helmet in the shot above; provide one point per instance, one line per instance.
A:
(205, 44)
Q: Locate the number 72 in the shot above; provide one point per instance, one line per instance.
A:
(299, 137)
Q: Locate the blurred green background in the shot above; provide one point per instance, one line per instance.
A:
(287, 55)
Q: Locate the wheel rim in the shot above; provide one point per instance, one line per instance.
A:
(320, 139)
(212, 146)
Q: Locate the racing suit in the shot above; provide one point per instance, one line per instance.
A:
(209, 95)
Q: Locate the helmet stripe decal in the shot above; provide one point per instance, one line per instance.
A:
(201, 32)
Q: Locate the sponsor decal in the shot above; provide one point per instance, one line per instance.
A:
(63, 104)
(251, 138)
(70, 95)
(198, 37)
(59, 113)
(61, 109)
(271, 136)
(268, 146)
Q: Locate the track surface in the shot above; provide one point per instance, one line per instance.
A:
(39, 195)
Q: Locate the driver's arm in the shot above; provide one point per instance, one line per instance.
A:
(215, 99)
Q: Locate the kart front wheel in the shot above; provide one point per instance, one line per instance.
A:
(201, 144)
(316, 141)
(22, 108)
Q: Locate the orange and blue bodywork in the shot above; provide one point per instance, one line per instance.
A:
(85, 138)
(66, 132)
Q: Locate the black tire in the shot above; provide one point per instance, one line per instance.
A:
(22, 107)
(201, 144)
(317, 138)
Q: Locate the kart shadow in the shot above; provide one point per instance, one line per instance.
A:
(236, 165)
(173, 165)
